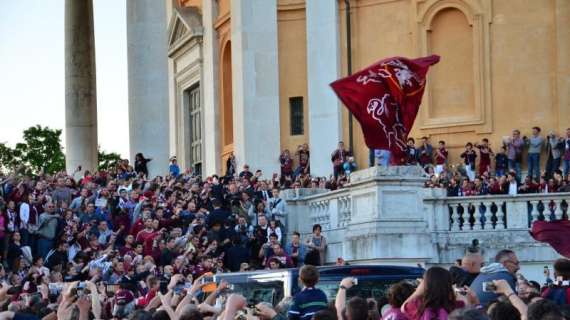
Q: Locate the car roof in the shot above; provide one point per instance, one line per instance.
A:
(350, 270)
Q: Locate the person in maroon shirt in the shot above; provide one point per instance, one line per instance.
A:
(485, 153)
(286, 163)
(128, 247)
(146, 236)
(280, 255)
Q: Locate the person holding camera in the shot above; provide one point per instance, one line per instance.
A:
(505, 268)
(502, 287)
(356, 308)
(559, 290)
(435, 297)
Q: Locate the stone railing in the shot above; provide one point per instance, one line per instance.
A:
(387, 215)
(498, 212)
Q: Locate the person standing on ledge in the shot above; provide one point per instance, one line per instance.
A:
(338, 158)
(174, 169)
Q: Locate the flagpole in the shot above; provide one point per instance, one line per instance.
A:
(349, 69)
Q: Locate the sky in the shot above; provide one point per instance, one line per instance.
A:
(32, 70)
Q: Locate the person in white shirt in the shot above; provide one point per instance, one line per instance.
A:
(513, 184)
(277, 206)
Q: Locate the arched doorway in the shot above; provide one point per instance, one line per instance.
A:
(226, 115)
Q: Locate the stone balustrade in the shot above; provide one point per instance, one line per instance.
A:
(385, 215)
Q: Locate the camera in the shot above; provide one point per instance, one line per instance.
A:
(80, 289)
(489, 287)
(461, 291)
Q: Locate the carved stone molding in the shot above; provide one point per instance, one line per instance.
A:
(479, 17)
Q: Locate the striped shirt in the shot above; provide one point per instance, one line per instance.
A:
(306, 303)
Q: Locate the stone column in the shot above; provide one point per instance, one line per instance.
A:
(148, 82)
(563, 63)
(323, 67)
(210, 89)
(80, 87)
(255, 83)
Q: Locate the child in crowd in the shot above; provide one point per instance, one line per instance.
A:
(440, 157)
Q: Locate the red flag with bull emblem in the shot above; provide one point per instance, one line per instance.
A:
(385, 98)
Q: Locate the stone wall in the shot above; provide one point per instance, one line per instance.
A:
(386, 216)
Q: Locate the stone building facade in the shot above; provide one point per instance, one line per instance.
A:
(250, 77)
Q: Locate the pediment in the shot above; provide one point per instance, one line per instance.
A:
(185, 24)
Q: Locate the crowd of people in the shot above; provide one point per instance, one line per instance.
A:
(132, 242)
(116, 228)
(484, 171)
(468, 291)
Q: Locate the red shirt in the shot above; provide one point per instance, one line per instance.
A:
(147, 237)
(441, 157)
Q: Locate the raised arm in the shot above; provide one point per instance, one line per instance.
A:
(340, 300)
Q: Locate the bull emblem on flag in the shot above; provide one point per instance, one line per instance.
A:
(385, 99)
(379, 110)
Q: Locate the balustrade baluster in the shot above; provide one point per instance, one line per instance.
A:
(501, 216)
(478, 216)
(534, 213)
(488, 223)
(558, 209)
(455, 219)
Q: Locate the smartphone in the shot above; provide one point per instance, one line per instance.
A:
(461, 291)
(355, 281)
(489, 287)
(111, 288)
(207, 280)
(55, 288)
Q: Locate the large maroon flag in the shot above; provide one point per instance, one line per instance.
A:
(555, 233)
(385, 98)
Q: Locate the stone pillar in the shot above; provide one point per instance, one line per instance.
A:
(563, 63)
(255, 82)
(323, 67)
(80, 87)
(210, 99)
(147, 54)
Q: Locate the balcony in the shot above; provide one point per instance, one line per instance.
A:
(387, 216)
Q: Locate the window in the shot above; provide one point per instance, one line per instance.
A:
(193, 95)
(296, 112)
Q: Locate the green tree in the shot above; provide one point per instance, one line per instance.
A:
(8, 159)
(41, 150)
(107, 160)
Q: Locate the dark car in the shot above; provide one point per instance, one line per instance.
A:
(273, 285)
